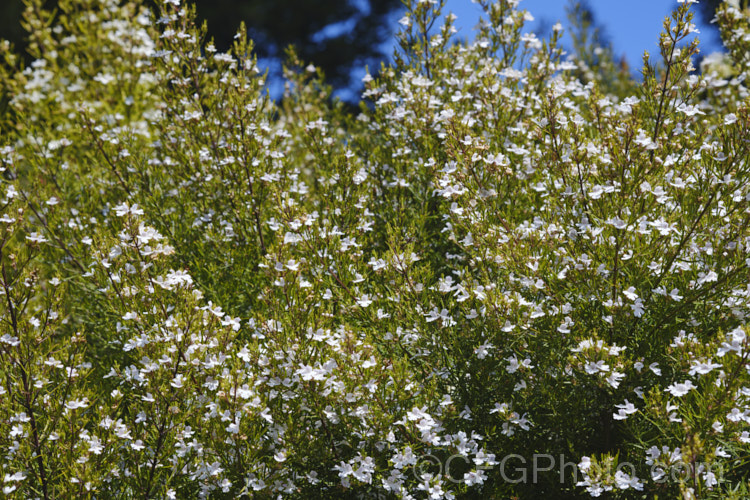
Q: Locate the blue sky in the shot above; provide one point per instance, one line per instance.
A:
(631, 25)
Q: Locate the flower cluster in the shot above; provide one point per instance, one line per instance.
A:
(508, 250)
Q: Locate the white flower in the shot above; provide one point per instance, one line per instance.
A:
(123, 209)
(7, 339)
(18, 476)
(624, 410)
(77, 403)
(35, 237)
(475, 477)
(702, 368)
(308, 372)
(364, 301)
(630, 293)
(678, 390)
(148, 233)
(689, 110)
(483, 350)
(500, 408)
(95, 445)
(637, 308)
(624, 481)
(344, 469)
(121, 431)
(617, 222)
(615, 378)
(594, 367)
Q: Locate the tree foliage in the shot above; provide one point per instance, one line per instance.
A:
(338, 36)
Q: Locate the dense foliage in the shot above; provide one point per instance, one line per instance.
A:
(515, 273)
(338, 36)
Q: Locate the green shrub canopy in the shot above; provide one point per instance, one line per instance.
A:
(515, 273)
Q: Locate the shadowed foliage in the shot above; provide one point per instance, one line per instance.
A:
(335, 35)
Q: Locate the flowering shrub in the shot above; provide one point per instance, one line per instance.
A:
(509, 255)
